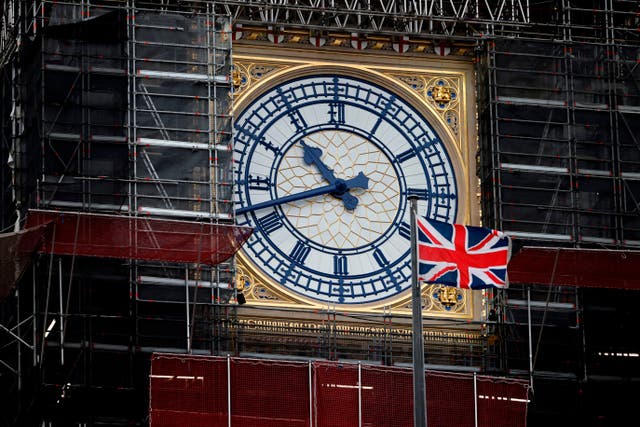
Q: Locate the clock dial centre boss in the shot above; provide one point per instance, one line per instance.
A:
(325, 166)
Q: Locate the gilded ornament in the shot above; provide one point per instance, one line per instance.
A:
(442, 93)
(447, 296)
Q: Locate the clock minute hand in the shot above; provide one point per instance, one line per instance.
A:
(338, 188)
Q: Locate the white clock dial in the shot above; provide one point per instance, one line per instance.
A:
(325, 167)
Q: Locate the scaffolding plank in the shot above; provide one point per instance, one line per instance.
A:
(182, 76)
(530, 101)
(141, 238)
(107, 138)
(589, 268)
(180, 213)
(65, 136)
(167, 281)
(515, 166)
(181, 144)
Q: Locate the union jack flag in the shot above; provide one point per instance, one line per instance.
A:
(462, 256)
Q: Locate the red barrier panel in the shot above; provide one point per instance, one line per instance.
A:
(588, 268)
(336, 394)
(449, 399)
(387, 396)
(269, 393)
(188, 391)
(143, 237)
(501, 403)
(192, 391)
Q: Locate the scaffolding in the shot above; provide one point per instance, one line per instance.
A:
(559, 107)
(99, 96)
(121, 135)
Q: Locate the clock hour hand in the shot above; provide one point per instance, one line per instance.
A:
(312, 157)
(339, 188)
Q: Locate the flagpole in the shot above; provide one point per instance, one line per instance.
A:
(419, 391)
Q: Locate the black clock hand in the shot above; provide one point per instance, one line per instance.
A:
(338, 188)
(312, 157)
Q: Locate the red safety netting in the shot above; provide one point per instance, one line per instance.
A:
(269, 393)
(387, 396)
(188, 392)
(16, 250)
(501, 402)
(144, 238)
(592, 268)
(450, 399)
(335, 394)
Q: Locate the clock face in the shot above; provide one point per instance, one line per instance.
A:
(325, 165)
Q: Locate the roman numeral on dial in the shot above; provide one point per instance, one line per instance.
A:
(270, 223)
(300, 252)
(340, 265)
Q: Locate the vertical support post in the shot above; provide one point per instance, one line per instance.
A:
(133, 235)
(34, 332)
(475, 400)
(419, 392)
(228, 390)
(60, 311)
(580, 322)
(310, 394)
(186, 304)
(359, 394)
(530, 338)
(19, 367)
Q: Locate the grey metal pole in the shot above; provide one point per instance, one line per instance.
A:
(19, 367)
(186, 299)
(229, 390)
(34, 332)
(310, 395)
(60, 308)
(419, 392)
(529, 333)
(359, 394)
(475, 400)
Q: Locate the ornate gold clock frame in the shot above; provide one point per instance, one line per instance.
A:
(441, 88)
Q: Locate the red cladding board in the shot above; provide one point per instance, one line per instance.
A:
(192, 391)
(144, 238)
(594, 268)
